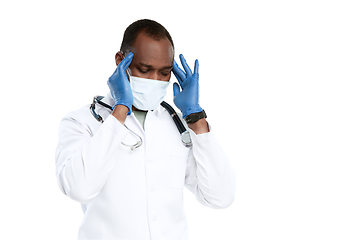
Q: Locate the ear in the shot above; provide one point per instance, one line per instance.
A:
(118, 57)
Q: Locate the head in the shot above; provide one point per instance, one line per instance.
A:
(153, 50)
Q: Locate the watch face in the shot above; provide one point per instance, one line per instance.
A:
(191, 119)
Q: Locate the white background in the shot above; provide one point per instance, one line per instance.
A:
(279, 81)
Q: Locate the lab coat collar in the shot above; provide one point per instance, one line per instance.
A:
(109, 100)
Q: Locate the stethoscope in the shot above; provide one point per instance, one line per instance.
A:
(185, 135)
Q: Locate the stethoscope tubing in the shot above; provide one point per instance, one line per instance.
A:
(175, 117)
(180, 126)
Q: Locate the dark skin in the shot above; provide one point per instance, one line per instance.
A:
(153, 59)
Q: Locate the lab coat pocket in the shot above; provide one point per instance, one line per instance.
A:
(179, 156)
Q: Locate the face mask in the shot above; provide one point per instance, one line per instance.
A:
(147, 93)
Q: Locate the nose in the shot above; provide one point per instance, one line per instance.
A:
(155, 75)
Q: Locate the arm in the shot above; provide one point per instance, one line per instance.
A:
(83, 161)
(209, 174)
(200, 126)
(120, 113)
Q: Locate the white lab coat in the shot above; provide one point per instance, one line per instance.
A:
(138, 195)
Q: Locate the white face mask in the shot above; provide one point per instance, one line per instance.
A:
(147, 93)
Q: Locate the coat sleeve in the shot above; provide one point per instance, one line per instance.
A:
(209, 174)
(83, 159)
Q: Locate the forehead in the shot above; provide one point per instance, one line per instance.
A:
(157, 53)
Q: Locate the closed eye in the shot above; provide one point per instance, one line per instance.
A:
(143, 70)
(165, 73)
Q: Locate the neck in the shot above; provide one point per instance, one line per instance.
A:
(135, 109)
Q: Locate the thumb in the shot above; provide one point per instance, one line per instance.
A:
(176, 89)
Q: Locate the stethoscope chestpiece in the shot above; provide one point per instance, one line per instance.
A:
(186, 139)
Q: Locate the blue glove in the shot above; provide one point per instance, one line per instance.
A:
(119, 84)
(188, 99)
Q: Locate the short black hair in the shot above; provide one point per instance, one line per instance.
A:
(153, 29)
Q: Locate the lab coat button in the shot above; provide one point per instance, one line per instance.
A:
(154, 218)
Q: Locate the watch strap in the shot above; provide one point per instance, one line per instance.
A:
(193, 118)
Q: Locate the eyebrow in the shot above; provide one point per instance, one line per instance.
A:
(150, 66)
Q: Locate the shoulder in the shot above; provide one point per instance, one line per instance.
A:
(83, 120)
(85, 115)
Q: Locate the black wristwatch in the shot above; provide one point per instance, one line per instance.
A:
(194, 117)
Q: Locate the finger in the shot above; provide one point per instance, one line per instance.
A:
(176, 89)
(185, 65)
(177, 77)
(128, 59)
(196, 68)
(179, 74)
(125, 63)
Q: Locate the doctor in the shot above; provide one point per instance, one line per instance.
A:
(138, 194)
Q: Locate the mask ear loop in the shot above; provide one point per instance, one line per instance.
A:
(139, 143)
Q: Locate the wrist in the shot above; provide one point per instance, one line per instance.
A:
(192, 110)
(200, 126)
(120, 112)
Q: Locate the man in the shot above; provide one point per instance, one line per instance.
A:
(135, 192)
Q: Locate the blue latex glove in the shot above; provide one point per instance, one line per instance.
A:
(119, 84)
(188, 99)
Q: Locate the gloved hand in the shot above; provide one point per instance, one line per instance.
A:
(119, 84)
(188, 99)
